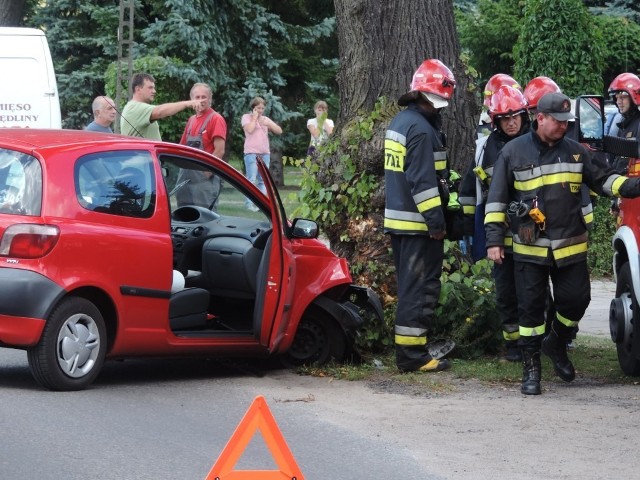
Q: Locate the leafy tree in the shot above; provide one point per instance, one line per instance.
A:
(489, 31)
(622, 50)
(560, 39)
(312, 63)
(239, 47)
(82, 39)
(619, 8)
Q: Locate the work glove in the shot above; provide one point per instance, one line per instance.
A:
(630, 188)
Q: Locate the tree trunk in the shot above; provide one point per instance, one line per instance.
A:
(381, 44)
(12, 13)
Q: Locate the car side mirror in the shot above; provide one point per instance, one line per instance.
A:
(303, 228)
(590, 120)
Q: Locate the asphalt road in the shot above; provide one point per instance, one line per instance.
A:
(171, 419)
(596, 319)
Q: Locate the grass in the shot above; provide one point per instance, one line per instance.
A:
(595, 359)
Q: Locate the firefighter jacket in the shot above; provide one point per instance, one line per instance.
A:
(531, 174)
(475, 186)
(414, 157)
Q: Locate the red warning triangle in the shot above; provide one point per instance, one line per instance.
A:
(258, 417)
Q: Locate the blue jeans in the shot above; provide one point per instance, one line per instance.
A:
(251, 168)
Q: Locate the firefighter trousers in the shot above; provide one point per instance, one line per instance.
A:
(571, 293)
(506, 300)
(418, 261)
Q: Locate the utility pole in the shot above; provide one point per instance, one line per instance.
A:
(125, 53)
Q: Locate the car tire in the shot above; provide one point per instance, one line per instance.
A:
(629, 363)
(318, 341)
(72, 348)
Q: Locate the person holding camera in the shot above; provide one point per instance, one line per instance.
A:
(256, 128)
(205, 130)
(535, 192)
(320, 127)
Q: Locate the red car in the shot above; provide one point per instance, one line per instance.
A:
(115, 247)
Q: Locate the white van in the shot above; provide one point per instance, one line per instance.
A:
(28, 89)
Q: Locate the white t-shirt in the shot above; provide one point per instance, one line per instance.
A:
(328, 125)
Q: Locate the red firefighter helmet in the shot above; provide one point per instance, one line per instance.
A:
(434, 80)
(626, 82)
(537, 88)
(494, 83)
(507, 101)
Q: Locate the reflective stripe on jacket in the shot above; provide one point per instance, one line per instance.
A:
(550, 178)
(472, 194)
(414, 153)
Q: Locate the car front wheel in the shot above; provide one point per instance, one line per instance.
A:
(318, 340)
(72, 348)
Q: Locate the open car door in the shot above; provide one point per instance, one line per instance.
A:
(275, 289)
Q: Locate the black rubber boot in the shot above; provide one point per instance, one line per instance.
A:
(555, 348)
(513, 352)
(531, 372)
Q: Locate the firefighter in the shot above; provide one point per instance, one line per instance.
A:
(536, 89)
(415, 160)
(533, 92)
(509, 117)
(625, 90)
(492, 86)
(535, 191)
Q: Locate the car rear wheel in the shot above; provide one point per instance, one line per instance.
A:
(318, 341)
(72, 349)
(623, 317)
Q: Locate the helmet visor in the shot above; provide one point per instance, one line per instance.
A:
(435, 100)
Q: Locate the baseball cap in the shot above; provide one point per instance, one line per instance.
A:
(558, 105)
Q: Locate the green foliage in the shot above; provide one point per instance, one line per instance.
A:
(600, 257)
(467, 309)
(82, 39)
(284, 51)
(488, 32)
(619, 8)
(560, 39)
(349, 197)
(622, 51)
(466, 312)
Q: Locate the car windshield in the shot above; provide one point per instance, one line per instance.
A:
(20, 183)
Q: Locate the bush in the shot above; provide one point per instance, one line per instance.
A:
(467, 309)
(600, 251)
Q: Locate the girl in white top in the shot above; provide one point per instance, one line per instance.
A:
(320, 127)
